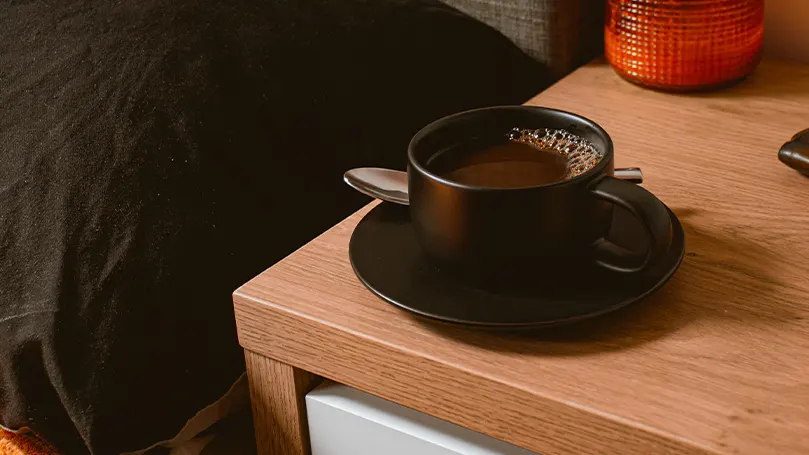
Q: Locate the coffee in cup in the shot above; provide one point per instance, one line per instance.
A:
(522, 158)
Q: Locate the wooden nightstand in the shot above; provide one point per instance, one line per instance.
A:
(717, 362)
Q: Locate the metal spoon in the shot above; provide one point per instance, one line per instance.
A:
(391, 186)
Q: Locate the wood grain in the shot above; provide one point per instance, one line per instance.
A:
(277, 393)
(716, 362)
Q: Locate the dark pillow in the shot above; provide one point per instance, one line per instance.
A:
(156, 154)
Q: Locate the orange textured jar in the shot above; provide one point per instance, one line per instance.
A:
(684, 44)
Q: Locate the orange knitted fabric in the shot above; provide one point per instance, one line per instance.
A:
(23, 444)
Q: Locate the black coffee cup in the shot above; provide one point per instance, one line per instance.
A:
(553, 227)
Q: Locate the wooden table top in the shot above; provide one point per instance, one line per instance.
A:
(715, 362)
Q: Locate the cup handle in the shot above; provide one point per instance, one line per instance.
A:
(652, 214)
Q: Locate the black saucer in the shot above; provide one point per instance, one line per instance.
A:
(387, 259)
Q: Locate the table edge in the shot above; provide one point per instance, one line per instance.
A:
(613, 428)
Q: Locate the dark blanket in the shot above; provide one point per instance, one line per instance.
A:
(156, 154)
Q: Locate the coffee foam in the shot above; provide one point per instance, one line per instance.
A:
(581, 154)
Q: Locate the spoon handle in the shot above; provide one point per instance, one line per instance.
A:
(630, 174)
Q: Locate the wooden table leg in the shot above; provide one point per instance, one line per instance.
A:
(277, 393)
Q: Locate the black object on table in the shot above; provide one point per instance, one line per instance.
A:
(795, 153)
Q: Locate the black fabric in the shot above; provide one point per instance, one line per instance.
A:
(156, 154)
